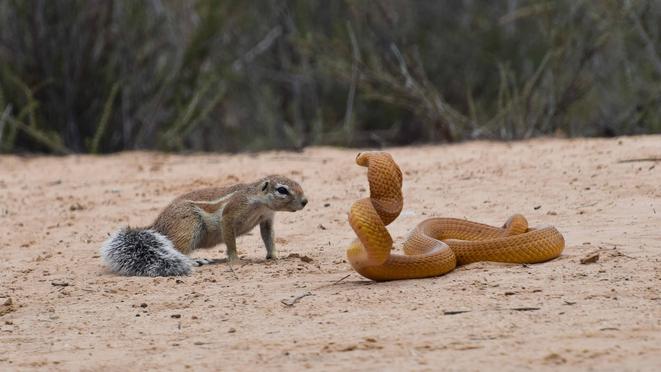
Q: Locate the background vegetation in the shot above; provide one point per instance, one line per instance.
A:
(232, 75)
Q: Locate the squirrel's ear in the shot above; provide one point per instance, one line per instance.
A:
(264, 185)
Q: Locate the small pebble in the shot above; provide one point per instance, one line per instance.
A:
(591, 258)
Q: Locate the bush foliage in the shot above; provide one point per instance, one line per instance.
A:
(234, 75)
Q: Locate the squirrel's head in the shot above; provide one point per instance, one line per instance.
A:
(282, 194)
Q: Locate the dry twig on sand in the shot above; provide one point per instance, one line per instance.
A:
(295, 299)
(654, 159)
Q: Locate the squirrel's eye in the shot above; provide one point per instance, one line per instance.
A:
(282, 190)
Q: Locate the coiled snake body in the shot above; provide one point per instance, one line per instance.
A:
(437, 245)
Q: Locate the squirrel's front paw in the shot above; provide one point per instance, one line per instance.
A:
(231, 258)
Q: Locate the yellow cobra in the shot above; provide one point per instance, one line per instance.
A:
(437, 245)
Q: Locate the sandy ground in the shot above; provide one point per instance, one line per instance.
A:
(60, 309)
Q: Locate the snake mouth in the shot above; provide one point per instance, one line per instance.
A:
(359, 158)
(362, 158)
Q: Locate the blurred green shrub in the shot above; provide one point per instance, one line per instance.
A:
(101, 75)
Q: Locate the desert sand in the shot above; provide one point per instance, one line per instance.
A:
(61, 309)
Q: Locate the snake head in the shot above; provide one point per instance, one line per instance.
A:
(362, 158)
(381, 164)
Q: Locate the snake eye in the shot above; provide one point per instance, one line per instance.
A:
(282, 190)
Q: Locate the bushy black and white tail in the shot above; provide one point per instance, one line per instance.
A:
(144, 252)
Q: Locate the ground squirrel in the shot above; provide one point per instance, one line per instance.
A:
(202, 219)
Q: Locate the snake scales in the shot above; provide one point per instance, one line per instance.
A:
(437, 245)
